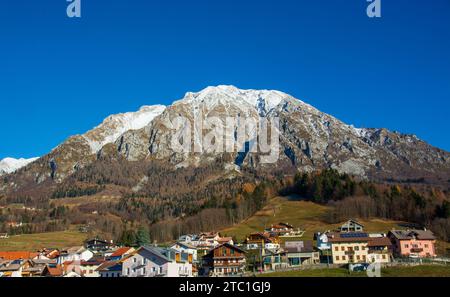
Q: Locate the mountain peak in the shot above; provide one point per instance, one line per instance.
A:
(10, 165)
(262, 100)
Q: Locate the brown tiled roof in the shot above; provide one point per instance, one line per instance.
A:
(229, 246)
(266, 236)
(379, 241)
(225, 239)
(410, 234)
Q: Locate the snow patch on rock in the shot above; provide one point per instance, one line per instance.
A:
(116, 125)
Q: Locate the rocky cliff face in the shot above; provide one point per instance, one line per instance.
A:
(309, 140)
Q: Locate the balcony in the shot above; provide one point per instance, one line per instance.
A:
(379, 252)
(416, 250)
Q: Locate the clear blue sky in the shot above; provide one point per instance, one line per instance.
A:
(61, 76)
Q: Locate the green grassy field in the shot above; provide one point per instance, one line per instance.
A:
(416, 271)
(301, 214)
(34, 242)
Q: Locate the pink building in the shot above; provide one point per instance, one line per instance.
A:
(413, 243)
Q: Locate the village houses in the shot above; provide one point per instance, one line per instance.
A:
(210, 254)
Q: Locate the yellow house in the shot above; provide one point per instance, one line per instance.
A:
(352, 248)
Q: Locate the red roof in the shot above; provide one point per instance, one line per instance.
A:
(120, 252)
(17, 255)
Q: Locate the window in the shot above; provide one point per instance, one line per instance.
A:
(343, 248)
(384, 257)
(356, 248)
(358, 257)
(144, 271)
(128, 271)
(426, 246)
(343, 258)
(135, 260)
(336, 248)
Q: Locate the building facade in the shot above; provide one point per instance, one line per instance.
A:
(156, 262)
(413, 243)
(359, 248)
(224, 260)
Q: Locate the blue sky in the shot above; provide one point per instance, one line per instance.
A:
(61, 76)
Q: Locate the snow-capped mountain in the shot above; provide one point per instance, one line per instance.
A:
(309, 140)
(10, 165)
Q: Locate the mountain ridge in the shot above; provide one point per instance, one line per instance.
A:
(310, 140)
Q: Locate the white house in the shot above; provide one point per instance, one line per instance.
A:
(352, 226)
(188, 238)
(156, 262)
(78, 253)
(186, 248)
(209, 239)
